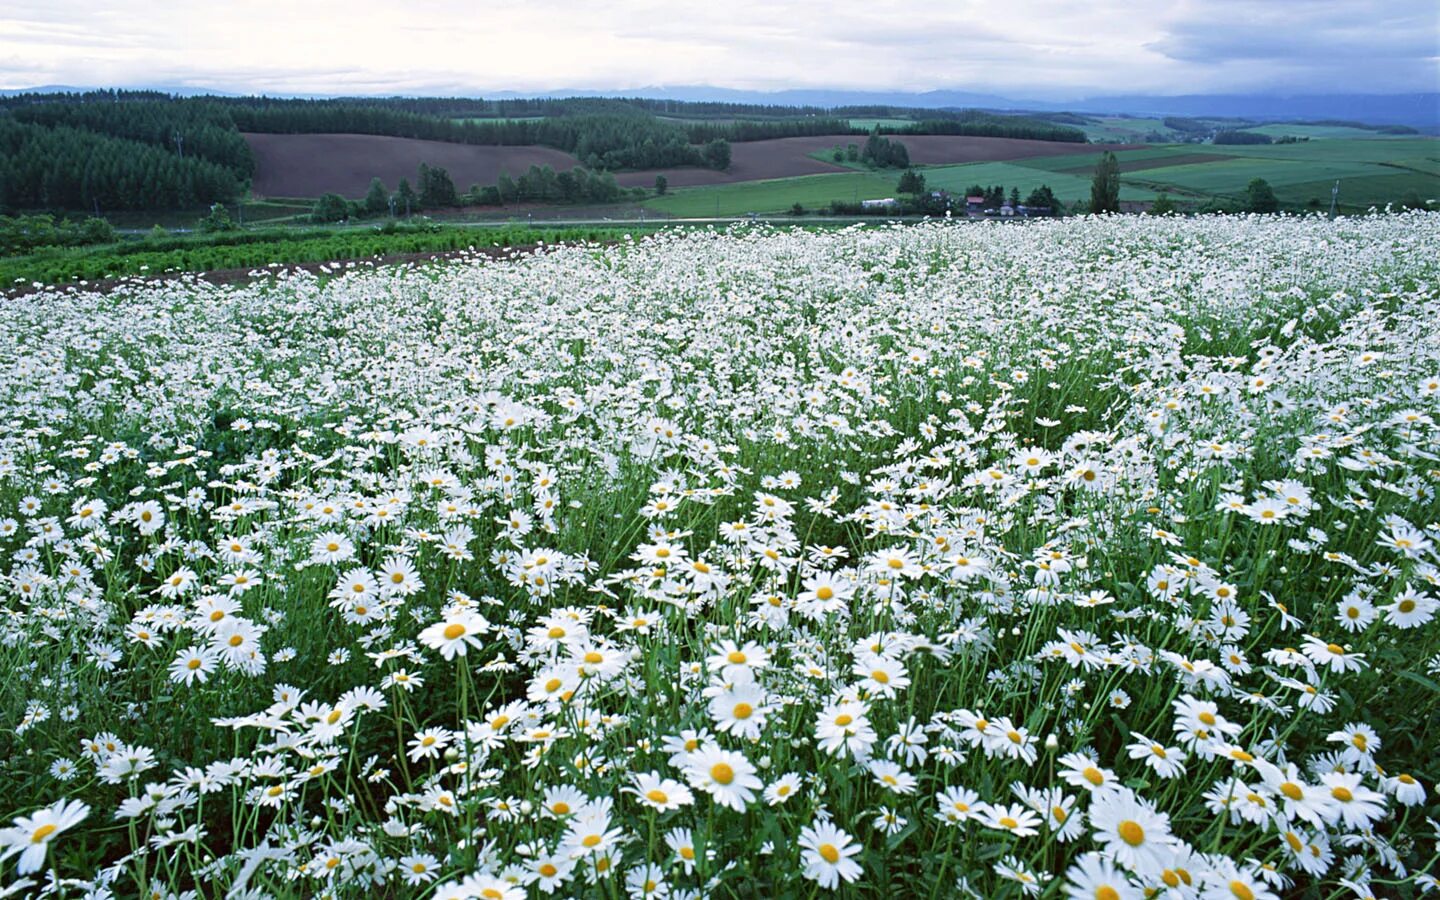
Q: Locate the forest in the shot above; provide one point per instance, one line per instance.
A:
(131, 150)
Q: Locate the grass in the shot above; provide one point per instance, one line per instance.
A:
(247, 249)
(1230, 176)
(774, 195)
(1364, 192)
(1319, 131)
(1119, 129)
(1372, 172)
(868, 124)
(1090, 160)
(1338, 150)
(255, 212)
(1067, 188)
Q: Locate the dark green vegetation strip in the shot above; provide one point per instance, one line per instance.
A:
(258, 249)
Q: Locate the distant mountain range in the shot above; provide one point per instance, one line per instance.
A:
(1421, 110)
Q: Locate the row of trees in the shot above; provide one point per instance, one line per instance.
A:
(43, 167)
(629, 141)
(437, 191)
(988, 125)
(1229, 136)
(21, 234)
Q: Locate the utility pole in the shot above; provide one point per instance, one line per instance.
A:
(1334, 195)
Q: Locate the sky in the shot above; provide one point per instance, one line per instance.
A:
(1060, 49)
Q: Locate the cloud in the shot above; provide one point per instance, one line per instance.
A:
(1223, 30)
(1046, 48)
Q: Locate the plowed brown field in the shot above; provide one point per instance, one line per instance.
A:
(307, 165)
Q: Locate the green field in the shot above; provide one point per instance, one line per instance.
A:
(1318, 131)
(775, 195)
(1230, 176)
(1068, 188)
(1333, 150)
(252, 249)
(1072, 161)
(868, 124)
(1371, 172)
(1119, 129)
(486, 120)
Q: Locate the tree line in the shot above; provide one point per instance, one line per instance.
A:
(437, 191)
(195, 128)
(985, 125)
(21, 234)
(60, 167)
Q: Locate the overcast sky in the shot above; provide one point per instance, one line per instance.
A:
(1060, 49)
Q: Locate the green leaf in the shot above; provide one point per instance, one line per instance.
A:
(1419, 679)
(899, 837)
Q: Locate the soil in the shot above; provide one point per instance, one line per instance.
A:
(787, 157)
(308, 165)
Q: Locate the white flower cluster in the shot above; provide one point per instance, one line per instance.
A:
(1092, 558)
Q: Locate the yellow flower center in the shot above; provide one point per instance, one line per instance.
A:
(454, 631)
(722, 773)
(1131, 833)
(829, 853)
